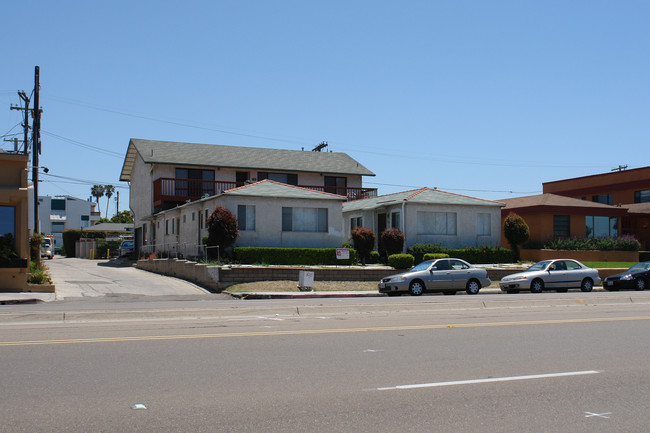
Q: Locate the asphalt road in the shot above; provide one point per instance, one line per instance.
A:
(579, 369)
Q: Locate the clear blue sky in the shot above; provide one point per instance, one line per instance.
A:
(484, 98)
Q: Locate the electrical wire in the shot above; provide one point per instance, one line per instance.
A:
(83, 181)
(84, 145)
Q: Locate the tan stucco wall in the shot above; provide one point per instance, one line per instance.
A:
(14, 192)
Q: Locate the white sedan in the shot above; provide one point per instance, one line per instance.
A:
(558, 274)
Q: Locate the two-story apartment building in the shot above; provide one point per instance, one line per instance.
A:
(627, 189)
(59, 213)
(163, 174)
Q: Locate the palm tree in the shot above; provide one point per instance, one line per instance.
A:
(97, 191)
(109, 190)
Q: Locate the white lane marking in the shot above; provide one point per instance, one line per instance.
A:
(270, 318)
(138, 406)
(373, 350)
(491, 379)
(600, 415)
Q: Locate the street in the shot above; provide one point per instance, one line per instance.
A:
(534, 369)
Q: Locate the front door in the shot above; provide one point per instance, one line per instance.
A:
(381, 226)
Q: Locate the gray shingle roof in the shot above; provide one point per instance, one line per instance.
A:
(269, 188)
(423, 196)
(215, 155)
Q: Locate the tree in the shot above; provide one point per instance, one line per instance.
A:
(222, 228)
(97, 191)
(363, 240)
(516, 232)
(109, 190)
(392, 240)
(124, 217)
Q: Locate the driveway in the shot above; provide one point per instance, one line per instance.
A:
(76, 278)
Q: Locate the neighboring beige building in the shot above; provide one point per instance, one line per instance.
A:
(269, 214)
(164, 174)
(13, 221)
(428, 216)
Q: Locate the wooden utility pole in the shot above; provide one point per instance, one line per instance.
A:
(36, 147)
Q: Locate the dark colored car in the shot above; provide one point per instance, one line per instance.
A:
(637, 278)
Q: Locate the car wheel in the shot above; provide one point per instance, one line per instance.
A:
(537, 286)
(639, 284)
(449, 292)
(473, 287)
(587, 285)
(416, 288)
(512, 291)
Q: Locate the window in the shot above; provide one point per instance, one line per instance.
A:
(241, 177)
(193, 216)
(246, 217)
(57, 204)
(561, 225)
(195, 182)
(85, 220)
(205, 221)
(395, 220)
(436, 223)
(483, 224)
(200, 220)
(336, 185)
(8, 226)
(601, 226)
(302, 219)
(58, 227)
(642, 196)
(166, 227)
(173, 219)
(602, 198)
(184, 219)
(288, 178)
(356, 222)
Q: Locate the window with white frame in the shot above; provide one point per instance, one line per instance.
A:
(246, 217)
(483, 224)
(356, 222)
(395, 220)
(302, 219)
(436, 223)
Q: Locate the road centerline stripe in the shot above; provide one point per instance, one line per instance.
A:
(488, 380)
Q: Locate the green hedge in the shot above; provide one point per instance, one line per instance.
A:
(480, 254)
(644, 256)
(292, 256)
(621, 243)
(400, 261)
(433, 256)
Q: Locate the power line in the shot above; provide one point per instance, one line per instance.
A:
(85, 146)
(84, 181)
(455, 189)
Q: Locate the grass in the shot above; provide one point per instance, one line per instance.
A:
(610, 264)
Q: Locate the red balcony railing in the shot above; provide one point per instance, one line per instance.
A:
(169, 190)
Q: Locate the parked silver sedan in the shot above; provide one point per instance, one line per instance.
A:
(559, 274)
(441, 275)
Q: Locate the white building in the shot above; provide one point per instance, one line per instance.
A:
(59, 213)
(428, 216)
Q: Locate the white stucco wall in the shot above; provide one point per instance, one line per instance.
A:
(466, 224)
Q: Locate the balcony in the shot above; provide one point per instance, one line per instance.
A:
(170, 191)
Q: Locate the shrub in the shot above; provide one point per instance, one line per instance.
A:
(623, 243)
(433, 256)
(392, 240)
(38, 273)
(7, 247)
(104, 247)
(374, 257)
(71, 236)
(292, 256)
(516, 232)
(483, 254)
(363, 240)
(419, 250)
(222, 228)
(401, 261)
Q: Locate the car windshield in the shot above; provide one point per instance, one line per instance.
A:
(539, 266)
(127, 244)
(640, 267)
(422, 266)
